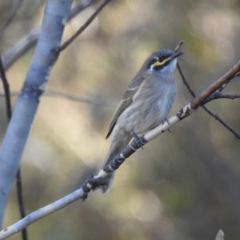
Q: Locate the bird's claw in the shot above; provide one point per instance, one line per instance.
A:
(137, 140)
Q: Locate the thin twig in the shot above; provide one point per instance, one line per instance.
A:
(225, 79)
(51, 93)
(178, 46)
(71, 97)
(13, 54)
(83, 27)
(21, 202)
(218, 95)
(214, 115)
(6, 90)
(80, 7)
(9, 20)
(18, 176)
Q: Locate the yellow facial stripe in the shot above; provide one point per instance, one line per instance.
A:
(160, 63)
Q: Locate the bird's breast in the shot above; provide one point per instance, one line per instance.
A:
(150, 106)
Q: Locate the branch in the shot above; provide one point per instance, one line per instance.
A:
(28, 100)
(226, 78)
(218, 95)
(7, 94)
(84, 26)
(13, 54)
(77, 98)
(12, 15)
(71, 97)
(80, 7)
(214, 115)
(18, 176)
(94, 181)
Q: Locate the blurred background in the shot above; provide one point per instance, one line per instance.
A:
(185, 184)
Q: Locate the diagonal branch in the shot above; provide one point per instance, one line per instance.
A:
(72, 97)
(6, 90)
(28, 101)
(94, 181)
(13, 54)
(226, 78)
(210, 98)
(18, 176)
(12, 15)
(84, 26)
(80, 7)
(218, 95)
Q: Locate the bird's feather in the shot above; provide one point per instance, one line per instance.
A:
(128, 97)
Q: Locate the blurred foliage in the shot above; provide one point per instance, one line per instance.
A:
(183, 185)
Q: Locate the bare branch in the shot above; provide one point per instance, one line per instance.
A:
(40, 213)
(12, 15)
(7, 96)
(27, 103)
(94, 181)
(218, 95)
(214, 115)
(97, 101)
(71, 97)
(13, 54)
(84, 26)
(21, 201)
(178, 46)
(80, 7)
(215, 86)
(185, 81)
(6, 90)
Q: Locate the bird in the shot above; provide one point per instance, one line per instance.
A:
(145, 104)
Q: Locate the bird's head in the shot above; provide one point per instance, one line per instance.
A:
(162, 61)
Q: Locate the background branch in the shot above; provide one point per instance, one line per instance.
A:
(19, 186)
(12, 15)
(84, 26)
(218, 95)
(71, 97)
(214, 115)
(27, 102)
(13, 54)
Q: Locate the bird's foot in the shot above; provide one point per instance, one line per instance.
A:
(138, 140)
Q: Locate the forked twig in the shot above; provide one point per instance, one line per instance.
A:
(214, 115)
(13, 54)
(83, 27)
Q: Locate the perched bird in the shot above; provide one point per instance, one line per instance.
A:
(145, 104)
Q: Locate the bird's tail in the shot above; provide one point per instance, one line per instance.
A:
(115, 148)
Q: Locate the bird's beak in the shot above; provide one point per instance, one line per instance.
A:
(176, 54)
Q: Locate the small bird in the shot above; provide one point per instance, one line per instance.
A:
(145, 104)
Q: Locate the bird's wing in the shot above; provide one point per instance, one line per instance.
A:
(132, 89)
